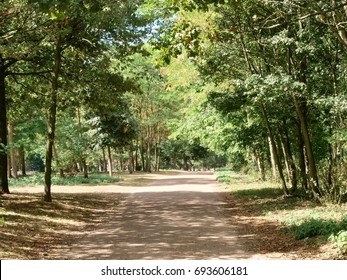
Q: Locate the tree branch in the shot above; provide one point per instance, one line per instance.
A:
(26, 73)
(28, 88)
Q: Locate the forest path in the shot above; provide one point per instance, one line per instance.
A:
(179, 216)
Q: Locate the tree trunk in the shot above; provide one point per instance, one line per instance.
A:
(302, 162)
(85, 168)
(137, 167)
(9, 173)
(104, 164)
(261, 166)
(158, 161)
(52, 115)
(287, 151)
(148, 157)
(143, 154)
(313, 175)
(110, 167)
(3, 131)
(155, 157)
(300, 107)
(273, 145)
(22, 160)
(185, 163)
(131, 159)
(174, 162)
(12, 150)
(272, 160)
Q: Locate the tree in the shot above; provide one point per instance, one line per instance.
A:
(21, 33)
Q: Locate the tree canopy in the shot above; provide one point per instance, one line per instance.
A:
(145, 85)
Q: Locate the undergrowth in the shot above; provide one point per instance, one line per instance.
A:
(38, 179)
(298, 214)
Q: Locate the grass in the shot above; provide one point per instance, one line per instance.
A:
(304, 218)
(38, 179)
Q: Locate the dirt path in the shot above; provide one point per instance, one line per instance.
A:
(174, 217)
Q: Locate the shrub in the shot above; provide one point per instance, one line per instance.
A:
(316, 227)
(341, 241)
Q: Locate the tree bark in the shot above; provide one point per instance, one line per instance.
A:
(104, 161)
(158, 160)
(149, 149)
(131, 159)
(287, 151)
(137, 167)
(273, 145)
(12, 150)
(272, 160)
(52, 115)
(9, 172)
(261, 166)
(142, 151)
(3, 130)
(85, 168)
(22, 160)
(110, 167)
(313, 175)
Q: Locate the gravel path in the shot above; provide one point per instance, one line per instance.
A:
(174, 217)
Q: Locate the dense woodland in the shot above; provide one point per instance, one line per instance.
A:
(95, 86)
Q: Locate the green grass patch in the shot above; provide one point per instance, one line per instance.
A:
(38, 179)
(297, 214)
(318, 227)
(261, 193)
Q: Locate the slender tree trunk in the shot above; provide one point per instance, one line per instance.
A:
(137, 167)
(149, 149)
(9, 172)
(302, 161)
(155, 157)
(14, 171)
(276, 157)
(143, 154)
(3, 131)
(110, 167)
(104, 161)
(148, 157)
(158, 161)
(287, 151)
(285, 157)
(261, 166)
(272, 160)
(300, 107)
(85, 168)
(313, 180)
(52, 115)
(22, 160)
(174, 162)
(185, 163)
(131, 159)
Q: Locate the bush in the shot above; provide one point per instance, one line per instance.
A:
(341, 241)
(316, 227)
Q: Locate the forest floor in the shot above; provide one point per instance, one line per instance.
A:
(32, 229)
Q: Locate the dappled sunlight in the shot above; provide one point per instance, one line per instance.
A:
(173, 218)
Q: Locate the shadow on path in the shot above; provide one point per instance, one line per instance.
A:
(180, 217)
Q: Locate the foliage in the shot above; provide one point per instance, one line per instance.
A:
(38, 179)
(316, 227)
(341, 241)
